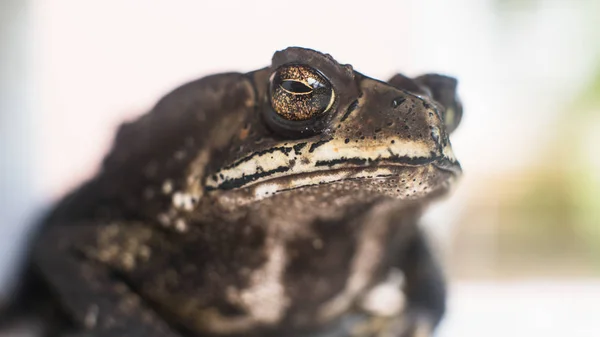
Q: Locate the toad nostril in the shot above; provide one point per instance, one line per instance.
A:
(435, 134)
(397, 101)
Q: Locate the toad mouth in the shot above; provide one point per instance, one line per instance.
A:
(330, 161)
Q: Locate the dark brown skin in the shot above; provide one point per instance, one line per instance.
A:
(267, 203)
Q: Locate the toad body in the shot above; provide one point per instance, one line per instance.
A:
(280, 202)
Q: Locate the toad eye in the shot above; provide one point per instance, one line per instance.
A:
(299, 92)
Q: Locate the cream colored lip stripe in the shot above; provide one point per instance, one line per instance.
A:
(288, 160)
(269, 188)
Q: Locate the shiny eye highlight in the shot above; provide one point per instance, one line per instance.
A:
(299, 92)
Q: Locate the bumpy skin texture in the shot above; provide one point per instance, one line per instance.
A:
(213, 215)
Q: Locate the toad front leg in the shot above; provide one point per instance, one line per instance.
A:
(421, 300)
(407, 297)
(412, 267)
(95, 299)
(424, 288)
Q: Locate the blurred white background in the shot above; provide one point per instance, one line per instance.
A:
(529, 71)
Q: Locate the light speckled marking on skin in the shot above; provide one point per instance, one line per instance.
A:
(164, 219)
(448, 153)
(307, 162)
(123, 246)
(91, 316)
(386, 298)
(181, 225)
(184, 201)
(194, 188)
(265, 190)
(211, 320)
(167, 186)
(365, 261)
(265, 299)
(179, 155)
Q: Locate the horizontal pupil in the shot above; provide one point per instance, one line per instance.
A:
(296, 87)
